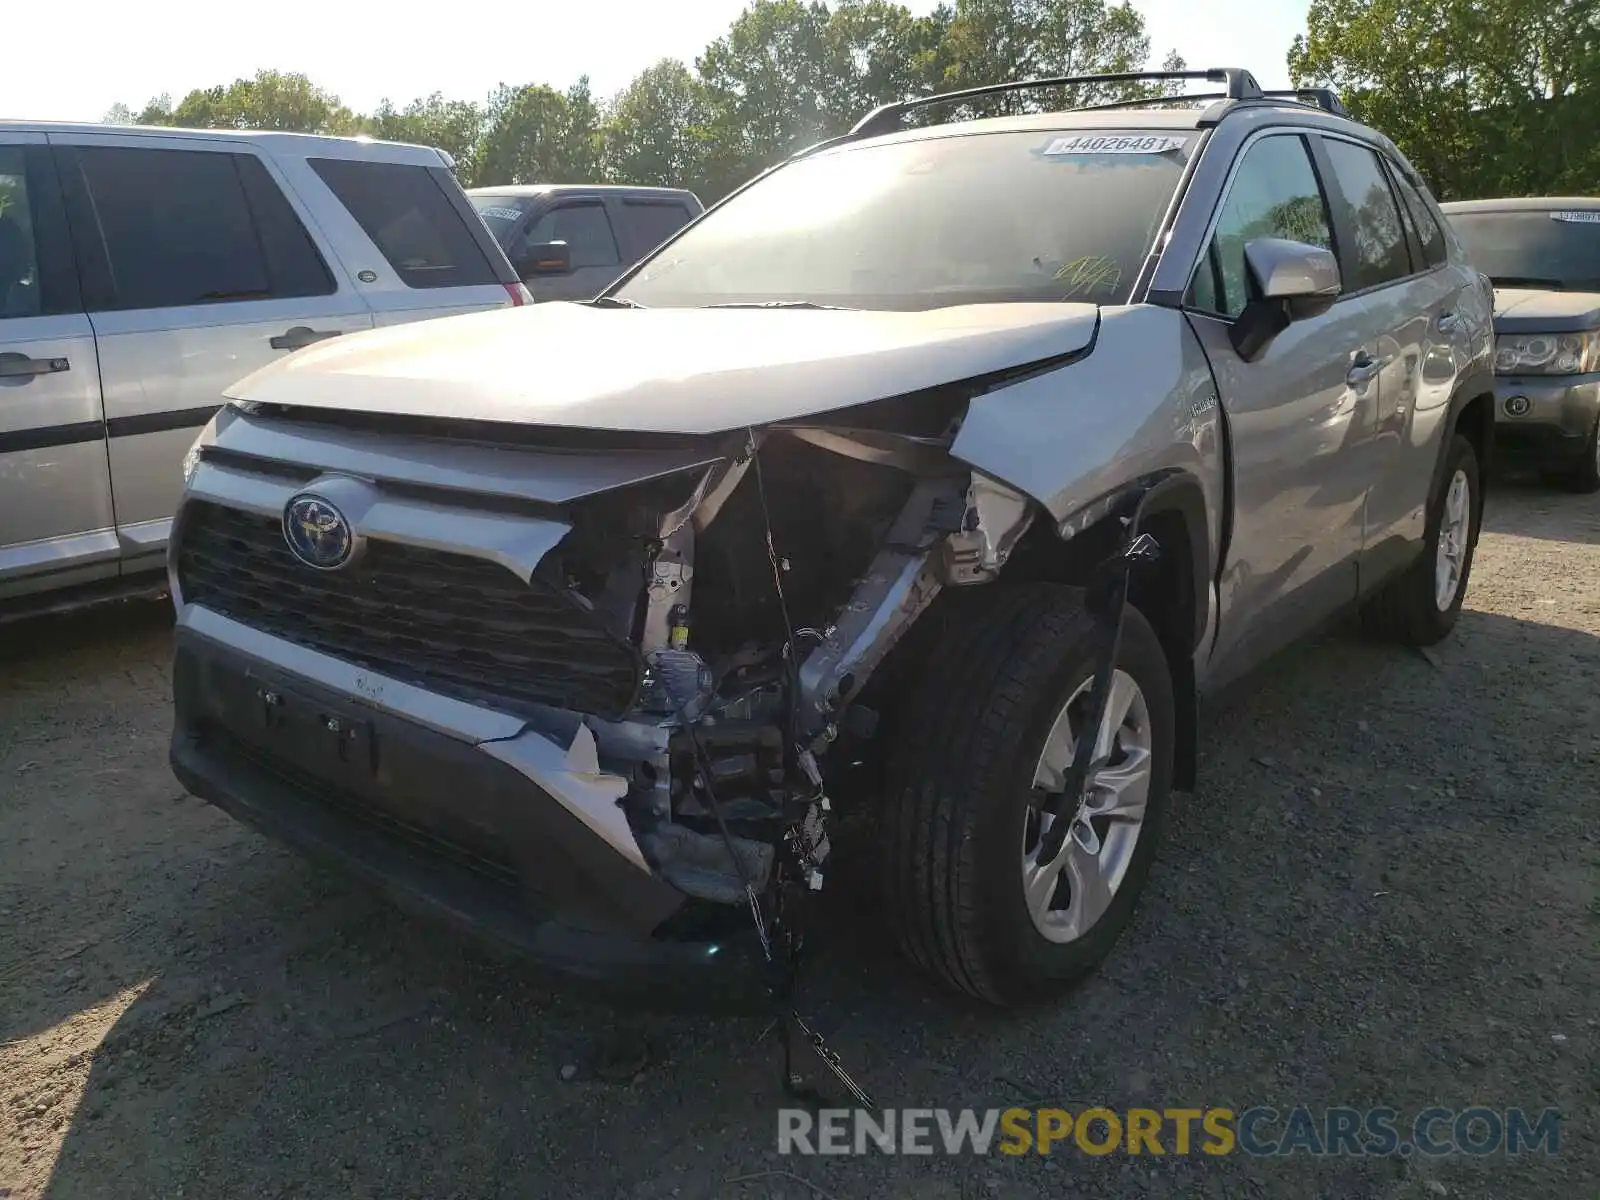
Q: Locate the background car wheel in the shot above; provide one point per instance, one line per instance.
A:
(989, 732)
(1419, 607)
(1585, 477)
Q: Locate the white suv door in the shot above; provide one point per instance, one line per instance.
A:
(56, 525)
(197, 269)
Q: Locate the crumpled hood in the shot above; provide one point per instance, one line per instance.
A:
(1528, 310)
(663, 370)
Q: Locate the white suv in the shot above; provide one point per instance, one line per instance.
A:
(142, 271)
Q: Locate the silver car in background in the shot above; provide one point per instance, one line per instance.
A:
(142, 271)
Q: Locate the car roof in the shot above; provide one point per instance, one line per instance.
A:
(545, 189)
(270, 140)
(1523, 204)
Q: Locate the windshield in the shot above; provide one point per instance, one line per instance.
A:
(500, 213)
(992, 217)
(1534, 248)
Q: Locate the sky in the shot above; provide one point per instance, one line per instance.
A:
(364, 53)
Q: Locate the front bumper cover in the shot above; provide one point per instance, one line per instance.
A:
(1560, 417)
(445, 827)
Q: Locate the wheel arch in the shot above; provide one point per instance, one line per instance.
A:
(1173, 593)
(1472, 416)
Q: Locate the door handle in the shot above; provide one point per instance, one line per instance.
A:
(301, 336)
(1447, 322)
(1362, 368)
(20, 366)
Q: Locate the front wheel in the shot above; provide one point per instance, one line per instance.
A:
(990, 735)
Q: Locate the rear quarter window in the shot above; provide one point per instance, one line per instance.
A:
(412, 221)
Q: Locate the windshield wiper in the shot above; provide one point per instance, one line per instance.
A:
(612, 302)
(1527, 281)
(782, 304)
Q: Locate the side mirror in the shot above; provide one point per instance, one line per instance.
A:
(543, 258)
(1289, 281)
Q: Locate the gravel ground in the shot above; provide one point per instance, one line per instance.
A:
(1385, 893)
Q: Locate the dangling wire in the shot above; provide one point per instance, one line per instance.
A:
(793, 713)
(787, 969)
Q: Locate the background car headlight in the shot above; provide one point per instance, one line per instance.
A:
(1547, 353)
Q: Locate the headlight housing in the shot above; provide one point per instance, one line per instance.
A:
(1547, 353)
(191, 462)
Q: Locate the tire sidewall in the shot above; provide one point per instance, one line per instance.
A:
(1462, 458)
(1025, 959)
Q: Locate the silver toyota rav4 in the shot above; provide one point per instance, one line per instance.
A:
(928, 479)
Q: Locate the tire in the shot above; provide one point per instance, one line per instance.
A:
(1585, 476)
(959, 787)
(1408, 608)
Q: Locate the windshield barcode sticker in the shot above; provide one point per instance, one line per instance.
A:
(1589, 216)
(500, 214)
(1114, 144)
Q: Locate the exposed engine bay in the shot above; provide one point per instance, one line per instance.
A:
(761, 594)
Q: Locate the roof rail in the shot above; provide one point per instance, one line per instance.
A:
(1240, 84)
(1324, 98)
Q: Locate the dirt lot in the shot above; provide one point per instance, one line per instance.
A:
(1384, 894)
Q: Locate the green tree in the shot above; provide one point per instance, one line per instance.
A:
(875, 51)
(654, 130)
(582, 138)
(764, 89)
(534, 134)
(1483, 99)
(271, 100)
(991, 41)
(453, 126)
(157, 111)
(789, 73)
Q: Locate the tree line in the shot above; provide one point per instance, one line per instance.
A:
(787, 73)
(1485, 99)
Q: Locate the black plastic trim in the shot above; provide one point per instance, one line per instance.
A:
(160, 422)
(449, 791)
(45, 436)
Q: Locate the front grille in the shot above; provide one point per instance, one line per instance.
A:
(459, 626)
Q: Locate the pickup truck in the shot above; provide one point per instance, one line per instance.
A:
(569, 242)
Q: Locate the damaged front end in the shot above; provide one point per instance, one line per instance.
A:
(669, 633)
(760, 606)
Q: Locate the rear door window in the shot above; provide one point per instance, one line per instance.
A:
(1379, 254)
(585, 229)
(653, 221)
(20, 294)
(181, 227)
(1429, 236)
(411, 219)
